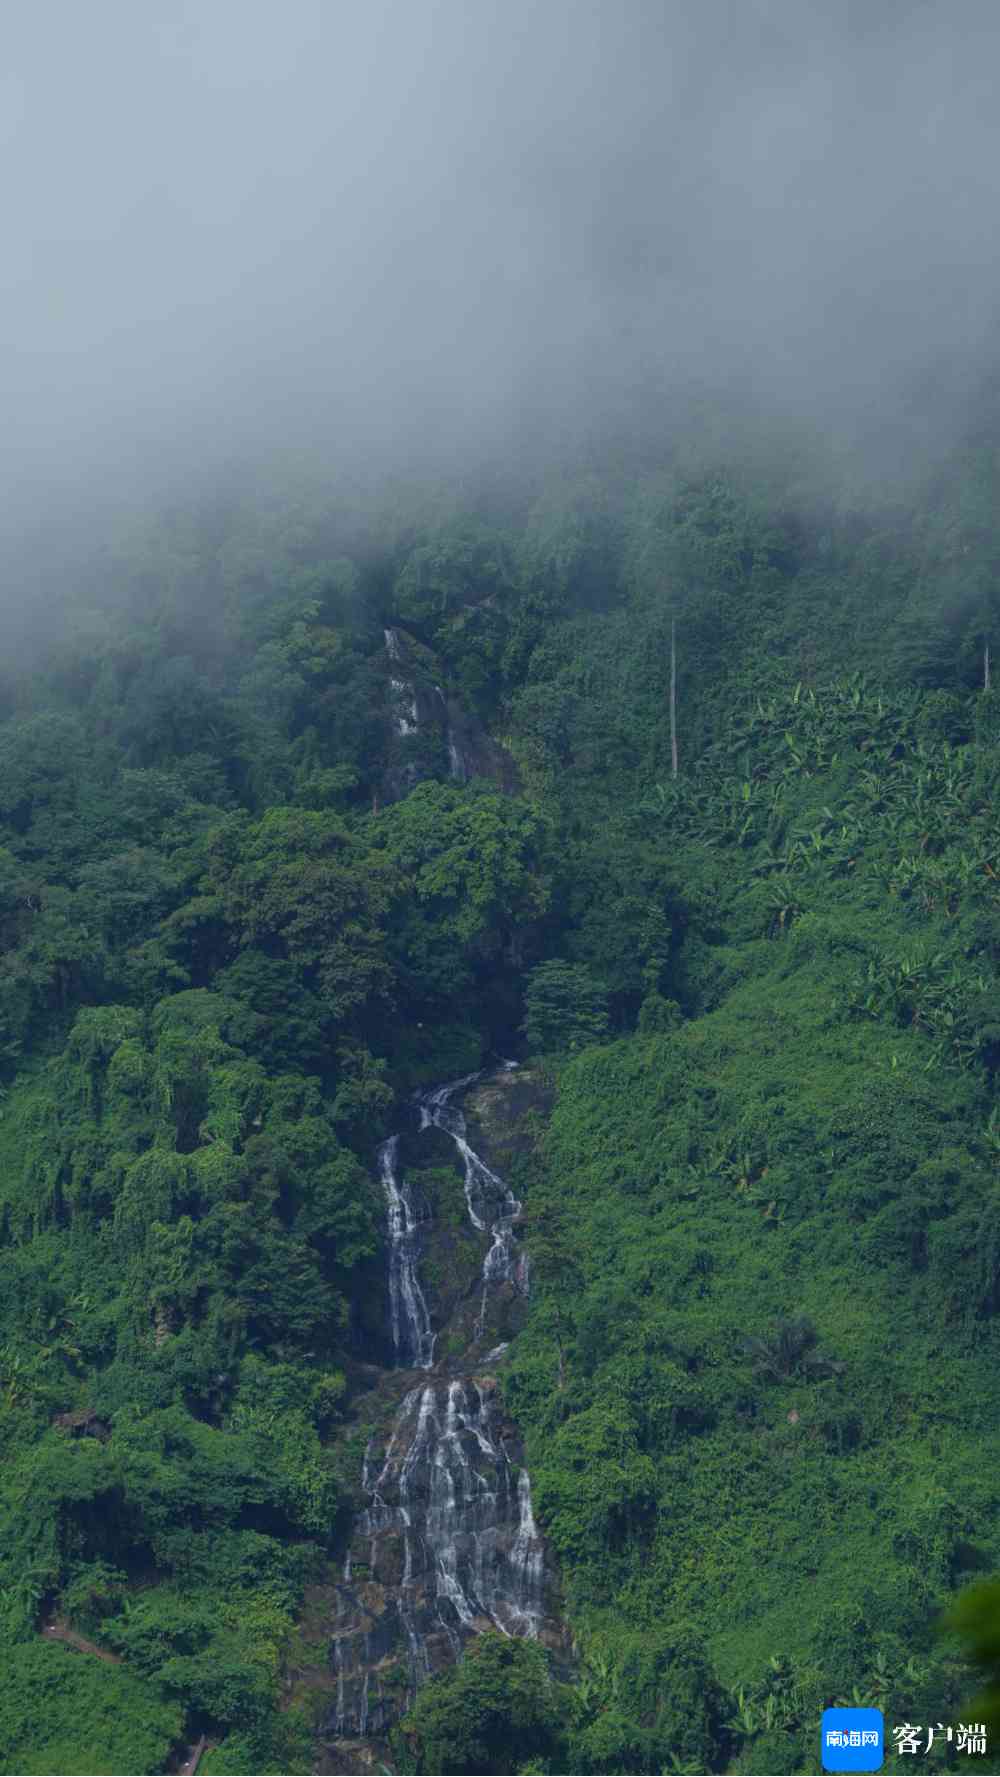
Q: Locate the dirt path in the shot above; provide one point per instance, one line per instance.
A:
(59, 1630)
(190, 1765)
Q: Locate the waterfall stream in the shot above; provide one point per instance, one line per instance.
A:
(412, 1338)
(447, 1544)
(490, 1202)
(407, 717)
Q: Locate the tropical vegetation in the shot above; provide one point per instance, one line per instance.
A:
(244, 914)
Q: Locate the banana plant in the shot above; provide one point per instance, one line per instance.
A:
(844, 849)
(797, 756)
(748, 1718)
(769, 859)
(16, 1378)
(784, 905)
(775, 1701)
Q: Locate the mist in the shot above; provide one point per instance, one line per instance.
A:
(396, 232)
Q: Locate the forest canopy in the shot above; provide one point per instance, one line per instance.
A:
(249, 903)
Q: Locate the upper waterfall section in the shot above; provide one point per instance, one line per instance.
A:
(485, 1264)
(431, 733)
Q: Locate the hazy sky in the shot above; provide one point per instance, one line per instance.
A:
(233, 222)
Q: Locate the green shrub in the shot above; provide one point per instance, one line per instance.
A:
(68, 1712)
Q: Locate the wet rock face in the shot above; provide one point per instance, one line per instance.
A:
(505, 1112)
(492, 1207)
(433, 736)
(447, 1547)
(472, 752)
(409, 1318)
(445, 1544)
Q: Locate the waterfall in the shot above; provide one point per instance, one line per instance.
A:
(407, 714)
(450, 1529)
(412, 1339)
(447, 1543)
(490, 1201)
(456, 764)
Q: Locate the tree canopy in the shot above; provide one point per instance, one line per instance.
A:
(243, 916)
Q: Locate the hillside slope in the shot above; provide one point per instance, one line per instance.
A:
(250, 903)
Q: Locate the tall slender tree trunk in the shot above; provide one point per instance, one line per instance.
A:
(673, 697)
(986, 666)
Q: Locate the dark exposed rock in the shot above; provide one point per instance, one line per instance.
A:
(446, 1548)
(433, 735)
(445, 1544)
(473, 753)
(83, 1422)
(506, 1112)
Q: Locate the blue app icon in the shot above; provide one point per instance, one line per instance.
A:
(852, 1739)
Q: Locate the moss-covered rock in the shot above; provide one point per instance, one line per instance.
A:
(507, 1113)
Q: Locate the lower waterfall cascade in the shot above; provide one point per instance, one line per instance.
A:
(446, 1545)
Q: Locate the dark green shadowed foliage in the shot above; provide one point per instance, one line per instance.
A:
(244, 915)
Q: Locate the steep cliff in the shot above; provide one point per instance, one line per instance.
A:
(432, 734)
(444, 1542)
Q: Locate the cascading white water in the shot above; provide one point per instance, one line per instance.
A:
(527, 1557)
(448, 1490)
(448, 1534)
(456, 764)
(407, 714)
(490, 1201)
(412, 1339)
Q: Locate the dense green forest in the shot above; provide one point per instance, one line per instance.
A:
(247, 909)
